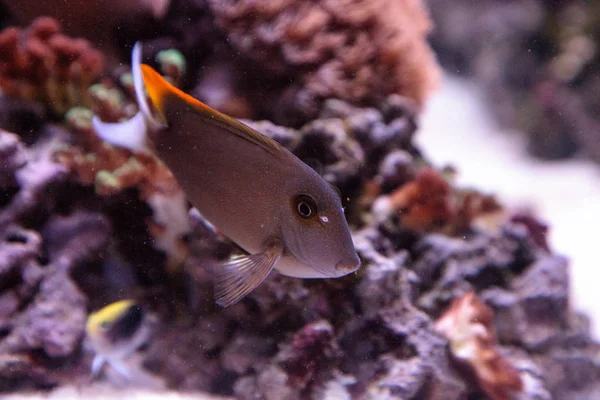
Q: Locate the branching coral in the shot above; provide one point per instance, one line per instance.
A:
(359, 51)
(469, 326)
(40, 63)
(283, 60)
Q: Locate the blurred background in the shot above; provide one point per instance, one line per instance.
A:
(518, 114)
(459, 129)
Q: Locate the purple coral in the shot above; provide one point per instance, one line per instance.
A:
(311, 353)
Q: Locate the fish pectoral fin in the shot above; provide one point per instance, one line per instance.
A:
(241, 275)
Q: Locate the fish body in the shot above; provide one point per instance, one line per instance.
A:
(275, 180)
(253, 190)
(115, 332)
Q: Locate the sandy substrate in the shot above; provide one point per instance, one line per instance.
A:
(457, 128)
(105, 392)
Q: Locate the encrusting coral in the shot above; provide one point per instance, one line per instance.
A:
(429, 203)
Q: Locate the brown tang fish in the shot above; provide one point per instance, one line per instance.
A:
(254, 191)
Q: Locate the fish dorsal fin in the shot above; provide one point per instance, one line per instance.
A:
(161, 91)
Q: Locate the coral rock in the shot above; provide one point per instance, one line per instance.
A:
(311, 353)
(543, 294)
(32, 181)
(53, 323)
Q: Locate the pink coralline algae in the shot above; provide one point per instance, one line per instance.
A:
(429, 203)
(469, 326)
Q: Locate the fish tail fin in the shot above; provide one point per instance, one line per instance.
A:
(130, 134)
(138, 84)
(161, 91)
(157, 86)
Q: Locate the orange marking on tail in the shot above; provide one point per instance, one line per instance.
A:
(159, 88)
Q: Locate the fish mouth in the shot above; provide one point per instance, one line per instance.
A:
(321, 271)
(300, 256)
(344, 268)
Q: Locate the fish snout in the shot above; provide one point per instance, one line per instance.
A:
(347, 266)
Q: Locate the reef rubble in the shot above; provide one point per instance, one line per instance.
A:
(369, 335)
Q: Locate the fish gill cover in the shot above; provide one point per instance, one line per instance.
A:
(83, 224)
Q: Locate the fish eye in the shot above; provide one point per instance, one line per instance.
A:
(104, 325)
(305, 207)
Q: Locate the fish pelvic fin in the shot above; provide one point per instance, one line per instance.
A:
(161, 92)
(241, 275)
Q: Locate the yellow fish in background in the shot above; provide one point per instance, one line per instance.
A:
(115, 332)
(249, 187)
